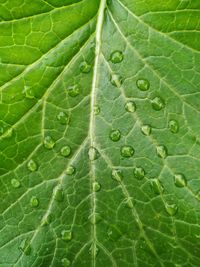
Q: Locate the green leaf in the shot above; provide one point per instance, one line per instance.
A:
(99, 125)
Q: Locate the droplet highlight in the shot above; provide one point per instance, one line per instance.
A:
(171, 209)
(157, 103)
(173, 126)
(66, 235)
(74, 90)
(96, 186)
(65, 151)
(139, 173)
(116, 80)
(93, 154)
(15, 183)
(143, 84)
(63, 118)
(48, 142)
(70, 170)
(127, 151)
(116, 57)
(34, 202)
(180, 180)
(146, 129)
(117, 175)
(156, 186)
(65, 262)
(130, 106)
(115, 135)
(85, 67)
(161, 151)
(32, 165)
(97, 110)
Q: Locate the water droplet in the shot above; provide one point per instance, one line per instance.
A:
(32, 165)
(58, 194)
(63, 118)
(93, 153)
(65, 151)
(139, 173)
(74, 90)
(127, 151)
(48, 142)
(94, 250)
(156, 186)
(143, 84)
(28, 93)
(25, 247)
(116, 57)
(15, 183)
(8, 133)
(70, 170)
(115, 135)
(129, 203)
(65, 262)
(34, 202)
(180, 180)
(66, 235)
(116, 80)
(117, 175)
(95, 218)
(157, 103)
(130, 106)
(161, 151)
(85, 67)
(47, 220)
(96, 110)
(146, 129)
(173, 126)
(171, 209)
(96, 186)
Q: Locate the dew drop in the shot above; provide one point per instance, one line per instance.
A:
(117, 175)
(146, 129)
(15, 183)
(96, 186)
(93, 153)
(130, 106)
(70, 170)
(115, 135)
(66, 235)
(74, 90)
(157, 103)
(65, 262)
(116, 57)
(95, 218)
(180, 180)
(47, 220)
(63, 118)
(127, 151)
(116, 80)
(25, 247)
(58, 194)
(156, 186)
(28, 93)
(32, 165)
(161, 151)
(8, 133)
(143, 84)
(85, 67)
(48, 142)
(97, 110)
(65, 151)
(139, 173)
(173, 126)
(171, 209)
(34, 202)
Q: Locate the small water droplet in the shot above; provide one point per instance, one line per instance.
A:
(15, 183)
(116, 80)
(171, 209)
(32, 165)
(116, 57)
(34, 202)
(58, 194)
(65, 262)
(8, 133)
(115, 135)
(157, 103)
(143, 84)
(48, 142)
(139, 173)
(161, 151)
(70, 170)
(130, 106)
(93, 153)
(66, 235)
(94, 218)
(97, 110)
(28, 93)
(47, 220)
(65, 151)
(63, 118)
(127, 151)
(117, 175)
(74, 90)
(94, 250)
(85, 67)
(25, 247)
(146, 129)
(156, 186)
(96, 186)
(180, 180)
(173, 126)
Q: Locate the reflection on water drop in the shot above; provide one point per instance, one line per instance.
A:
(116, 57)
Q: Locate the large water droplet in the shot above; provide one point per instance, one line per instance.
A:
(95, 218)
(32, 165)
(157, 103)
(139, 173)
(25, 247)
(156, 186)
(171, 209)
(143, 84)
(93, 153)
(117, 175)
(127, 151)
(85, 67)
(65, 262)
(58, 194)
(70, 170)
(65, 151)
(146, 129)
(180, 180)
(116, 80)
(161, 151)
(48, 142)
(74, 90)
(66, 235)
(130, 106)
(34, 202)
(96, 186)
(115, 135)
(63, 118)
(173, 126)
(96, 110)
(116, 57)
(15, 183)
